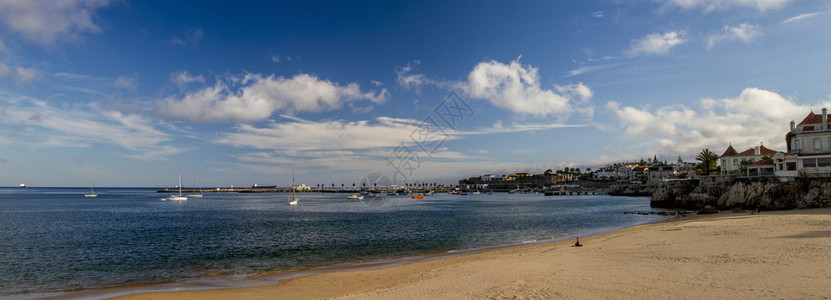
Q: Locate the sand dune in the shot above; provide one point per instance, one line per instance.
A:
(784, 254)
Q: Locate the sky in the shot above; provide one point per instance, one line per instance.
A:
(136, 93)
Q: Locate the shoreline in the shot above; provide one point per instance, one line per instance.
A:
(710, 256)
(221, 282)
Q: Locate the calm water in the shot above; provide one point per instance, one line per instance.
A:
(54, 239)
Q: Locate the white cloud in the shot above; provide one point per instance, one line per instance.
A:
(745, 32)
(578, 90)
(275, 58)
(46, 22)
(721, 5)
(598, 14)
(517, 88)
(754, 116)
(252, 97)
(499, 127)
(183, 78)
(803, 17)
(83, 126)
(383, 132)
(126, 82)
(656, 43)
(406, 78)
(589, 69)
(22, 75)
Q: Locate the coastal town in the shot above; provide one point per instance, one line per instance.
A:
(808, 155)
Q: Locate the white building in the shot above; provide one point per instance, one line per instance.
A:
(809, 148)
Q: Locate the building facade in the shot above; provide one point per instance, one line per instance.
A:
(809, 148)
(732, 161)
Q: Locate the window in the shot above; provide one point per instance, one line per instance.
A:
(817, 144)
(791, 166)
(751, 160)
(823, 162)
(781, 165)
(809, 163)
(735, 161)
(796, 144)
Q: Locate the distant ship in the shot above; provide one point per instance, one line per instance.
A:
(23, 185)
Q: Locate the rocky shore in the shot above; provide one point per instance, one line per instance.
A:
(631, 190)
(764, 194)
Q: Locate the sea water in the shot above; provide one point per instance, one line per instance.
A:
(55, 240)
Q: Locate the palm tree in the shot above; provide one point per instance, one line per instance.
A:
(708, 160)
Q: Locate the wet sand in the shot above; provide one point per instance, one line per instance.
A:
(785, 254)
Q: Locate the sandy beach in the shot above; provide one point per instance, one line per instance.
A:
(784, 254)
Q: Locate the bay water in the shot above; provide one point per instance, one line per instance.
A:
(55, 240)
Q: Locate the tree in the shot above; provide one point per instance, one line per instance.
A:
(708, 161)
(547, 172)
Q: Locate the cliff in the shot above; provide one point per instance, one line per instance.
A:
(765, 194)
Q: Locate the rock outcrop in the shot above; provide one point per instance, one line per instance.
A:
(631, 190)
(745, 194)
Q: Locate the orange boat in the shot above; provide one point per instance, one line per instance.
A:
(418, 197)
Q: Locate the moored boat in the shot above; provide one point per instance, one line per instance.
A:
(354, 197)
(177, 197)
(293, 200)
(91, 193)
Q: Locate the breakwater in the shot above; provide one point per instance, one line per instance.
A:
(746, 193)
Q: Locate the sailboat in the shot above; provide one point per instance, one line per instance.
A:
(91, 193)
(292, 200)
(179, 197)
(194, 194)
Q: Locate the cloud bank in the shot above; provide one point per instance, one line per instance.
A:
(755, 116)
(744, 32)
(657, 43)
(516, 87)
(46, 22)
(253, 97)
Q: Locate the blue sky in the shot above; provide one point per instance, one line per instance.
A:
(134, 93)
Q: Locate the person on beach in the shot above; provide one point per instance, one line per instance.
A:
(577, 244)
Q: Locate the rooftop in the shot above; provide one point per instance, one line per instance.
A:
(749, 152)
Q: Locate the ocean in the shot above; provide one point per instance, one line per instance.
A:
(53, 240)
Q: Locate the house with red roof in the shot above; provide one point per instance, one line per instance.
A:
(809, 148)
(732, 161)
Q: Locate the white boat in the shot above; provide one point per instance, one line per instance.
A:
(179, 197)
(195, 194)
(23, 185)
(354, 197)
(292, 200)
(91, 193)
(475, 192)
